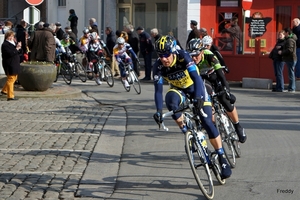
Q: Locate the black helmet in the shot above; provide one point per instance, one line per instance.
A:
(65, 36)
(165, 45)
(195, 46)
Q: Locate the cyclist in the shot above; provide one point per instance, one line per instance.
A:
(94, 51)
(204, 58)
(179, 70)
(84, 40)
(122, 57)
(208, 44)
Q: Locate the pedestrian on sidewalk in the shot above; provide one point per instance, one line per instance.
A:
(289, 56)
(11, 52)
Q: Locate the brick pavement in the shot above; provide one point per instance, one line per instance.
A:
(46, 145)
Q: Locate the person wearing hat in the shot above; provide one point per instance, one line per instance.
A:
(146, 49)
(59, 32)
(194, 32)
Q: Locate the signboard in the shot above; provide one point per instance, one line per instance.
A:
(31, 15)
(257, 24)
(247, 4)
(34, 2)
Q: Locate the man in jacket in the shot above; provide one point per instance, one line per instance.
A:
(235, 34)
(194, 32)
(296, 31)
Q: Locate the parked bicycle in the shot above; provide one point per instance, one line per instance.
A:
(226, 129)
(105, 72)
(131, 78)
(202, 161)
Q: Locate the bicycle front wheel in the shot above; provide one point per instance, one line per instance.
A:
(226, 141)
(108, 76)
(200, 168)
(123, 83)
(135, 82)
(66, 73)
(80, 71)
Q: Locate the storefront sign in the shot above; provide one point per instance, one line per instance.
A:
(257, 24)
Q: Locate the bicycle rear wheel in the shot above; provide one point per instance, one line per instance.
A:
(235, 141)
(135, 82)
(108, 76)
(216, 167)
(200, 169)
(80, 71)
(226, 141)
(66, 73)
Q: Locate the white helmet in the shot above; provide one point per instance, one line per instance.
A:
(94, 35)
(207, 40)
(120, 40)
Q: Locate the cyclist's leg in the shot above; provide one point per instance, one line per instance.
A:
(173, 99)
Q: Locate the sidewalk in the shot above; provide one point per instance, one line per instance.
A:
(57, 145)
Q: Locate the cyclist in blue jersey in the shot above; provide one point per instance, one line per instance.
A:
(205, 59)
(178, 69)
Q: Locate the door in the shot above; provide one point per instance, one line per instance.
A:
(285, 12)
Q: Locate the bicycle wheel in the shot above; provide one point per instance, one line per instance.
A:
(135, 82)
(108, 76)
(216, 167)
(235, 140)
(128, 80)
(66, 73)
(80, 71)
(226, 141)
(200, 169)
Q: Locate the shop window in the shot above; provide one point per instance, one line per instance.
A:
(139, 12)
(228, 3)
(61, 2)
(124, 16)
(162, 13)
(283, 17)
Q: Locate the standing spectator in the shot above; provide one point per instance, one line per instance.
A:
(59, 32)
(8, 25)
(93, 25)
(203, 32)
(289, 56)
(235, 34)
(110, 43)
(277, 62)
(133, 40)
(73, 21)
(22, 36)
(146, 48)
(11, 63)
(194, 32)
(72, 35)
(296, 31)
(154, 33)
(42, 45)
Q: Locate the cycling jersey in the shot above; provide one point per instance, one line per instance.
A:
(183, 75)
(122, 53)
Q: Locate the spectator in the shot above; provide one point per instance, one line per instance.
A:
(8, 25)
(154, 33)
(22, 36)
(277, 62)
(93, 25)
(73, 21)
(203, 32)
(288, 53)
(59, 32)
(110, 43)
(72, 35)
(42, 44)
(296, 31)
(133, 41)
(235, 34)
(194, 32)
(11, 63)
(146, 48)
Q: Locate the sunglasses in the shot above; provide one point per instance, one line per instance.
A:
(195, 55)
(164, 55)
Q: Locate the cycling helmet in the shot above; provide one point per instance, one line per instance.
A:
(85, 30)
(65, 36)
(207, 40)
(165, 45)
(120, 40)
(195, 46)
(94, 35)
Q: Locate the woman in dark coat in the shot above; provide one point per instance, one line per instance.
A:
(11, 63)
(73, 21)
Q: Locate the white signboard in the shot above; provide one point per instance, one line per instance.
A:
(27, 14)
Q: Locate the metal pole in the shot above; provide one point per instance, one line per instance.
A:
(31, 16)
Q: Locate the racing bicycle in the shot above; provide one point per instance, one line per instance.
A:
(131, 78)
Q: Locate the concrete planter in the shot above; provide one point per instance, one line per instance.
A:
(37, 77)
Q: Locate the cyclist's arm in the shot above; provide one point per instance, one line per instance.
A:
(129, 48)
(221, 77)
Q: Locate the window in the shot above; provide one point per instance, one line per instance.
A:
(283, 17)
(61, 2)
(162, 13)
(228, 3)
(139, 12)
